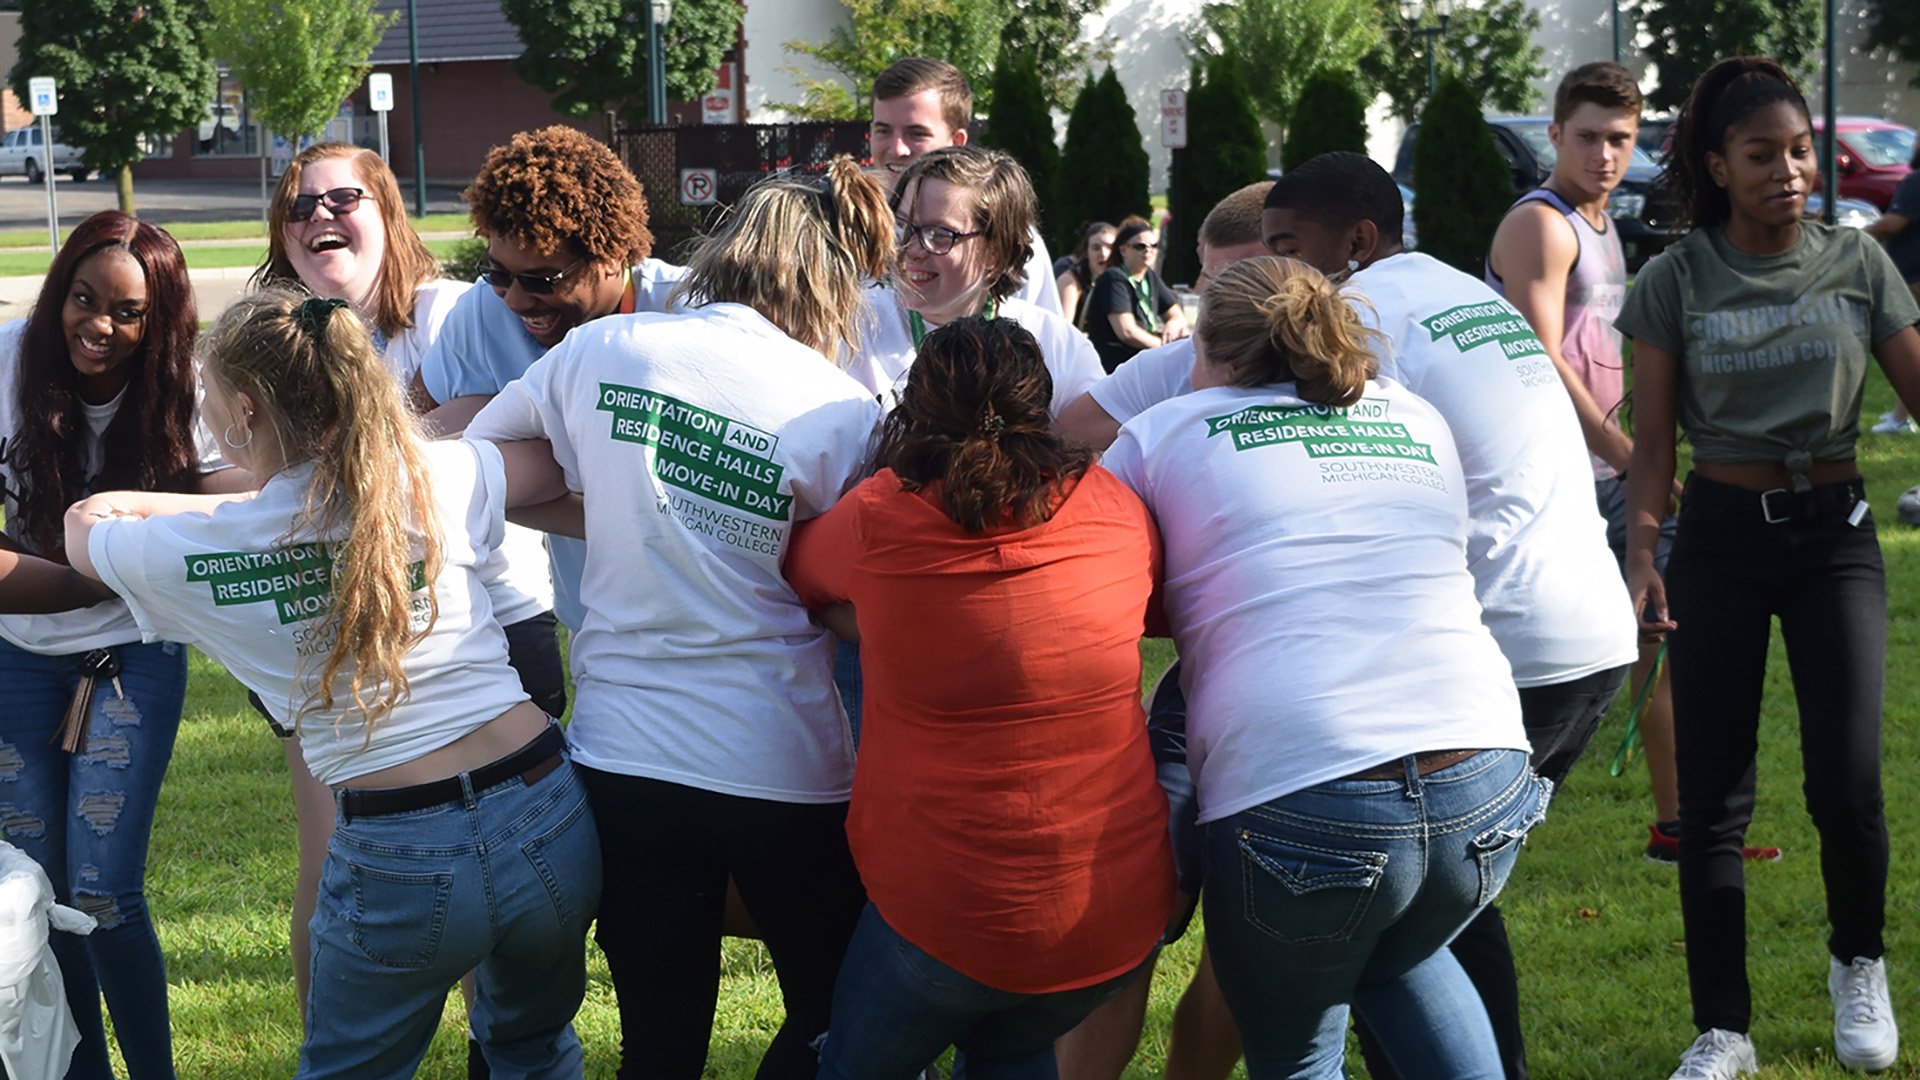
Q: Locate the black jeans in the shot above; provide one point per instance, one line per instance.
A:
(668, 850)
(1560, 720)
(1730, 574)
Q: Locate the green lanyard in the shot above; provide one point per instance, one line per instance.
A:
(919, 325)
(1149, 319)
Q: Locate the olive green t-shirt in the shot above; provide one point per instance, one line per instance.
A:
(1773, 349)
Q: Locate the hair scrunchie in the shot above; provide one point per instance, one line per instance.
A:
(315, 312)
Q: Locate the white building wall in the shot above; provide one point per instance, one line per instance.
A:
(1149, 43)
(767, 26)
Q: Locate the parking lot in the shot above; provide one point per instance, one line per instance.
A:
(24, 205)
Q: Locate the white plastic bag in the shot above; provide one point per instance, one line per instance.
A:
(37, 1034)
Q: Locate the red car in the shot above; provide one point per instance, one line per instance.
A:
(1875, 156)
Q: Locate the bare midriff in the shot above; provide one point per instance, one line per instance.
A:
(1768, 475)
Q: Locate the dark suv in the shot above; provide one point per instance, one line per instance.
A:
(1645, 227)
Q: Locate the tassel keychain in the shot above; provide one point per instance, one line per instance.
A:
(96, 665)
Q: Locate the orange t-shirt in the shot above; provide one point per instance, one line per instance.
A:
(1005, 815)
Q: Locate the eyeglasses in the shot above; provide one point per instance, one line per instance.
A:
(537, 284)
(1144, 247)
(934, 239)
(340, 200)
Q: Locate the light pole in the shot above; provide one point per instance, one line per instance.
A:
(1410, 11)
(659, 13)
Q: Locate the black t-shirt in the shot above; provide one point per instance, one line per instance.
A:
(1113, 293)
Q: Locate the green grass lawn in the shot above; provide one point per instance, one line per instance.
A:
(189, 231)
(1596, 928)
(26, 263)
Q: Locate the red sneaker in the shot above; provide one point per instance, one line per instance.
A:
(1664, 847)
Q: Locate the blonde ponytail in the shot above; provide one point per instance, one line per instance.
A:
(1272, 320)
(799, 252)
(332, 402)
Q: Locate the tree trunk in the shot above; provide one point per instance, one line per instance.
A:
(123, 187)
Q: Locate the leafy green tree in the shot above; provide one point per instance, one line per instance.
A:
(1104, 170)
(1331, 116)
(1463, 183)
(1021, 124)
(593, 53)
(126, 69)
(1491, 49)
(1688, 36)
(965, 33)
(297, 59)
(1226, 150)
(1894, 25)
(1292, 39)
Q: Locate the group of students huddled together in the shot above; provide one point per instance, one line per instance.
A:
(853, 443)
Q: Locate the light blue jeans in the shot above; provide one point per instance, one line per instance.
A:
(503, 881)
(1343, 894)
(86, 819)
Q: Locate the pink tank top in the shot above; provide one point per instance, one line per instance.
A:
(1596, 289)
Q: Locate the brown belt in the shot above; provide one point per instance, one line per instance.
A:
(1431, 761)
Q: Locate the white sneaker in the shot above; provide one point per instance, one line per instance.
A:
(1864, 1034)
(1717, 1055)
(1892, 425)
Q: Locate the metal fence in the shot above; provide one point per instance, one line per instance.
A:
(692, 174)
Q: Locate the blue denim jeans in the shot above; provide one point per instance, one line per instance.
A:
(86, 819)
(503, 882)
(895, 1009)
(1344, 894)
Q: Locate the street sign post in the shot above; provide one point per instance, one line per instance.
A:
(45, 102)
(699, 187)
(1173, 119)
(380, 99)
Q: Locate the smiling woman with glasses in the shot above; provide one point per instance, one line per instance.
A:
(1129, 307)
(962, 221)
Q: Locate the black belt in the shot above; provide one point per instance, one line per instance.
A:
(1776, 507)
(530, 763)
(1430, 762)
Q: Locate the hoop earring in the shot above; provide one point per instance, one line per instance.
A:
(227, 437)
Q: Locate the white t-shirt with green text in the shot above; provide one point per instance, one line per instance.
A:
(1316, 583)
(698, 440)
(1548, 585)
(255, 597)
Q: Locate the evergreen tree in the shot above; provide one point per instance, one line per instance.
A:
(1104, 170)
(1331, 116)
(126, 69)
(1226, 150)
(1689, 36)
(1021, 124)
(593, 54)
(297, 59)
(1463, 184)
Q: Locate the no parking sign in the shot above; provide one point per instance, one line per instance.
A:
(699, 187)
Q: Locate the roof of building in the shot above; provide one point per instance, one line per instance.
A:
(449, 30)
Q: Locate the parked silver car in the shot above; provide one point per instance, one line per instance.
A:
(22, 154)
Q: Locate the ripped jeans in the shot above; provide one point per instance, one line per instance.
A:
(86, 820)
(1343, 894)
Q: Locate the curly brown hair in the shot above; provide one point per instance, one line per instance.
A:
(559, 188)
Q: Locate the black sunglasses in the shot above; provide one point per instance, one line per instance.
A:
(340, 200)
(1144, 247)
(537, 284)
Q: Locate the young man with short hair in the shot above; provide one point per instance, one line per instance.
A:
(922, 104)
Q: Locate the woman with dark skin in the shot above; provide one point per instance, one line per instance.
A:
(97, 390)
(1752, 334)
